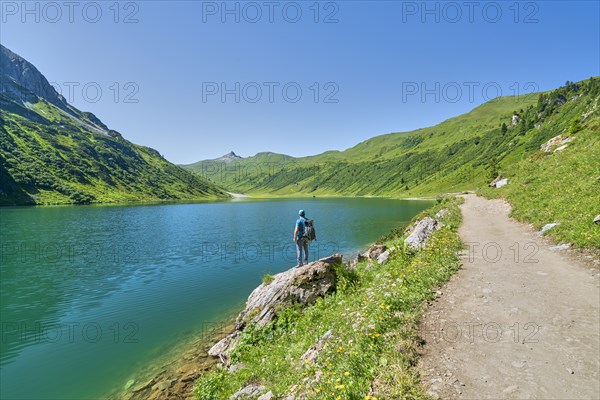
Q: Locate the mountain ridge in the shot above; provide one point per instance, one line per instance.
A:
(461, 153)
(53, 153)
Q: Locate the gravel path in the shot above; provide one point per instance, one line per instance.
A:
(519, 321)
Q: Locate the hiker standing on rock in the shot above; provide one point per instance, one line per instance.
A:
(300, 238)
(303, 235)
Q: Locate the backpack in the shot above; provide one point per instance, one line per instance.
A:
(309, 230)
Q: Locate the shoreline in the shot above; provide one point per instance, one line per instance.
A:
(233, 197)
(176, 372)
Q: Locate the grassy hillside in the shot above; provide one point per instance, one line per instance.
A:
(462, 153)
(373, 315)
(53, 153)
(561, 186)
(58, 161)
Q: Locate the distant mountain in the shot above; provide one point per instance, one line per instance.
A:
(229, 157)
(229, 169)
(462, 153)
(53, 153)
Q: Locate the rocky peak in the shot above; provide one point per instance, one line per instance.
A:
(22, 82)
(231, 156)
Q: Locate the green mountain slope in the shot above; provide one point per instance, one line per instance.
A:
(52, 153)
(559, 186)
(461, 153)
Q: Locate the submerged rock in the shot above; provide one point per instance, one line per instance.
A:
(422, 232)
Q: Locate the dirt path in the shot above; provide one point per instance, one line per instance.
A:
(514, 324)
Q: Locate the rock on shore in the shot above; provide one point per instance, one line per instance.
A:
(302, 285)
(422, 232)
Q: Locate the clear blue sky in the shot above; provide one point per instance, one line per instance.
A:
(378, 57)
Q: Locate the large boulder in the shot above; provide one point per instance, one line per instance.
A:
(302, 285)
(422, 232)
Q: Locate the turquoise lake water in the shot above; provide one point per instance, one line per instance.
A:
(92, 294)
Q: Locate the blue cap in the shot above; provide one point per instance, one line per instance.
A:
(301, 213)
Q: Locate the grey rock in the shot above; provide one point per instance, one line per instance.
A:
(374, 251)
(229, 157)
(493, 183)
(383, 257)
(235, 368)
(22, 81)
(298, 285)
(422, 232)
(251, 391)
(597, 219)
(267, 396)
(547, 227)
(224, 347)
(514, 120)
(561, 246)
(441, 213)
(501, 182)
(311, 354)
(559, 140)
(359, 257)
(301, 285)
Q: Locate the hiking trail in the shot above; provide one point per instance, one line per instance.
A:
(519, 320)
